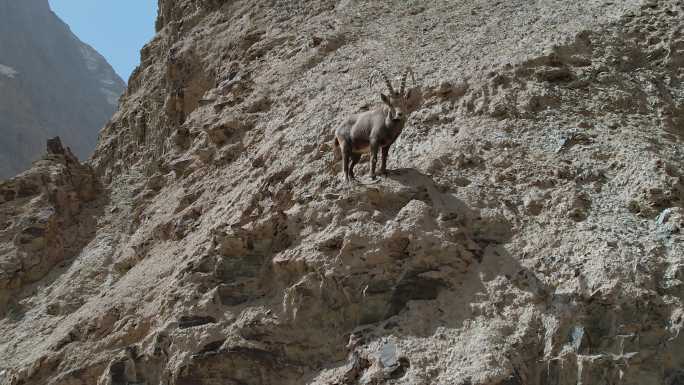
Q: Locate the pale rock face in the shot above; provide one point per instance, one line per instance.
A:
(51, 84)
(529, 231)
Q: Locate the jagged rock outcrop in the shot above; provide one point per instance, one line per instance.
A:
(51, 84)
(529, 233)
(46, 215)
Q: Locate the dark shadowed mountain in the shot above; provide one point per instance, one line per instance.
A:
(51, 84)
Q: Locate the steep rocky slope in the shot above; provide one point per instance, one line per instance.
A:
(51, 84)
(529, 233)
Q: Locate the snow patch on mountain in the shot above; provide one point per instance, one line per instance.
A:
(8, 71)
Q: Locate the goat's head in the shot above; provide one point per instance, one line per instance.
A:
(399, 102)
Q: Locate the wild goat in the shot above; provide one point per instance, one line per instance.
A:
(377, 129)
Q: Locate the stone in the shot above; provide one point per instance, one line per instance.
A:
(388, 355)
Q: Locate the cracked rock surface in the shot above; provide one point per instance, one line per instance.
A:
(529, 232)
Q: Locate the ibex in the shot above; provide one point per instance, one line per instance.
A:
(377, 129)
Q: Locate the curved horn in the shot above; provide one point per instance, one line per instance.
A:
(403, 79)
(387, 81)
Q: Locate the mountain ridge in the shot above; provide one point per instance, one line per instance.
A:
(57, 85)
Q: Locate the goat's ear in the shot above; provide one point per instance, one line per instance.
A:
(385, 98)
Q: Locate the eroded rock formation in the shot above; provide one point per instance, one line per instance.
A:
(530, 232)
(46, 216)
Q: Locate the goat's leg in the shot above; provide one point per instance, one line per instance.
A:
(374, 157)
(346, 155)
(354, 160)
(383, 165)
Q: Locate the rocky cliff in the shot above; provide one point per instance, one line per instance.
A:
(529, 231)
(51, 84)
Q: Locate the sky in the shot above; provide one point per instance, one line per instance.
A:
(117, 29)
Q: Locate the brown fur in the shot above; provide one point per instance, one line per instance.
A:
(374, 130)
